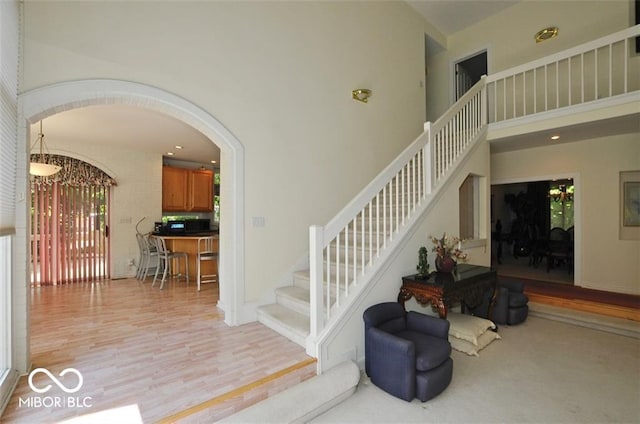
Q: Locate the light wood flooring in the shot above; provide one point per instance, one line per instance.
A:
(168, 352)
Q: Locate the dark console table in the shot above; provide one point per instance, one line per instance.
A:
(467, 285)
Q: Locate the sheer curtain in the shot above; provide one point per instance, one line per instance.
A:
(70, 224)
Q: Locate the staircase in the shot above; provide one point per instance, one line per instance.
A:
(290, 315)
(346, 253)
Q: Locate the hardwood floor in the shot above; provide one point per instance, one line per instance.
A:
(557, 288)
(168, 352)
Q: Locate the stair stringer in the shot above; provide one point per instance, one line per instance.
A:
(363, 294)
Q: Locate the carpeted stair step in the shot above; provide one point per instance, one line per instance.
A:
(291, 324)
(295, 298)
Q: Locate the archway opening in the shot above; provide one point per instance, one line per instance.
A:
(39, 103)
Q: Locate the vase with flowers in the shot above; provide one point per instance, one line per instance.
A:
(448, 252)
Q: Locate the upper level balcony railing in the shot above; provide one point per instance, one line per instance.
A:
(600, 69)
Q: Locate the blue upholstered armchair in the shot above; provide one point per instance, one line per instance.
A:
(407, 354)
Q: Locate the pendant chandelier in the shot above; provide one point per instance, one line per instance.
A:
(41, 168)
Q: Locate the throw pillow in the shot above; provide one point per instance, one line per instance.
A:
(470, 348)
(468, 327)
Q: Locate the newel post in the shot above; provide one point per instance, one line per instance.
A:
(316, 246)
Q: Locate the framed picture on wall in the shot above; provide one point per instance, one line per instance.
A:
(630, 205)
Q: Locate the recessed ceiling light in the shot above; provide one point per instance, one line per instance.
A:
(213, 161)
(555, 137)
(169, 153)
(178, 147)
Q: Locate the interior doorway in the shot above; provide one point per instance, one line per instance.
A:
(467, 72)
(526, 218)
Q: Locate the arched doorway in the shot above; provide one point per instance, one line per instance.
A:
(39, 103)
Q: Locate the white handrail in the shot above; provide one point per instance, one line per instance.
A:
(344, 250)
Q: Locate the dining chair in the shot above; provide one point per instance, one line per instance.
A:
(141, 255)
(165, 258)
(206, 252)
(148, 256)
(559, 248)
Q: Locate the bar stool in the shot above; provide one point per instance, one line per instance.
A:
(165, 256)
(206, 252)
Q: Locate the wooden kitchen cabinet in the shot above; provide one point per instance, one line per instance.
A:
(201, 196)
(175, 184)
(187, 190)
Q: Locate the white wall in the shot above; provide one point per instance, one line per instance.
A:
(509, 38)
(608, 263)
(278, 75)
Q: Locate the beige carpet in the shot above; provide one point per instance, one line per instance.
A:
(542, 371)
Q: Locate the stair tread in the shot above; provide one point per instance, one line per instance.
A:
(295, 292)
(289, 318)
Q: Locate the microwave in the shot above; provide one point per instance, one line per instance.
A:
(176, 227)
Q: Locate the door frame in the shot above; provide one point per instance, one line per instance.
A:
(452, 68)
(577, 212)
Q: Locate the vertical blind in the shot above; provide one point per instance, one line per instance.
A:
(9, 48)
(70, 223)
(70, 233)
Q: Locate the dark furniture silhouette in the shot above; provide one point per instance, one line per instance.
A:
(407, 354)
(510, 304)
(560, 249)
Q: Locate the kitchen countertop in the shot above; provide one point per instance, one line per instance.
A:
(187, 236)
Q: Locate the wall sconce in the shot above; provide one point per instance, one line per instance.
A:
(361, 95)
(545, 34)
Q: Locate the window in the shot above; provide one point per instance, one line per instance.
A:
(561, 204)
(9, 41)
(6, 383)
(216, 197)
(5, 302)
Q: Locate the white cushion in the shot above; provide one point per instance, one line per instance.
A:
(468, 327)
(470, 348)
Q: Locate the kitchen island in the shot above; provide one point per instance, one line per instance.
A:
(188, 243)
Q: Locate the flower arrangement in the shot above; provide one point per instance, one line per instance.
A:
(448, 247)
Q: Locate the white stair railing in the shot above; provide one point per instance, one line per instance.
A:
(342, 251)
(592, 71)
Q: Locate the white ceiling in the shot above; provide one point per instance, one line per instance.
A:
(128, 127)
(449, 16)
(146, 130)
